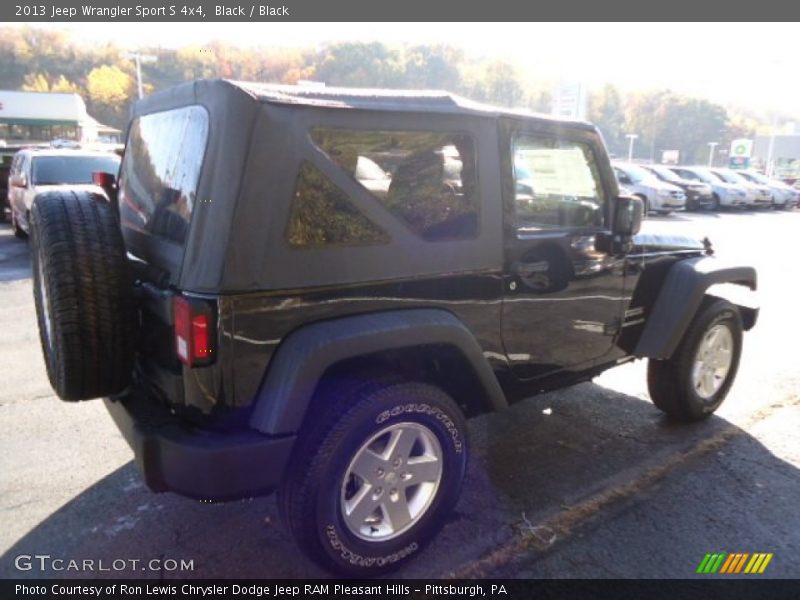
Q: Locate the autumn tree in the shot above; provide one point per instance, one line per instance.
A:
(35, 82)
(110, 91)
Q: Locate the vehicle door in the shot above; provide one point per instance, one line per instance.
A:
(16, 192)
(564, 295)
(29, 191)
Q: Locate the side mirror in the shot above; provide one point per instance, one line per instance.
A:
(628, 213)
(19, 181)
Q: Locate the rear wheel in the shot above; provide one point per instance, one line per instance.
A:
(693, 383)
(83, 294)
(715, 203)
(374, 477)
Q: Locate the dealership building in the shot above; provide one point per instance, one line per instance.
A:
(32, 117)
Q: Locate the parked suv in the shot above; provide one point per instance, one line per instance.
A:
(37, 170)
(698, 195)
(263, 315)
(656, 194)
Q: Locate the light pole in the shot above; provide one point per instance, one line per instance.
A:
(771, 148)
(711, 146)
(631, 137)
(140, 58)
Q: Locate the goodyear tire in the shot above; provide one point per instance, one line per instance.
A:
(373, 479)
(693, 383)
(82, 290)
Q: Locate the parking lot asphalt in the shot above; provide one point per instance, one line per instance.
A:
(588, 481)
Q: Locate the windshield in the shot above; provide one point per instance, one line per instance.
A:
(756, 177)
(637, 174)
(665, 174)
(729, 177)
(55, 170)
(705, 176)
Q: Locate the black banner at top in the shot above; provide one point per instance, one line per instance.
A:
(145, 11)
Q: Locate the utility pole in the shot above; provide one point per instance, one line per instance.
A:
(771, 148)
(631, 137)
(139, 59)
(711, 146)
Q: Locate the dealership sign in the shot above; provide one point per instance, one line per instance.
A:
(742, 148)
(741, 151)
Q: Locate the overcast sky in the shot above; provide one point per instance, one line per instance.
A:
(749, 65)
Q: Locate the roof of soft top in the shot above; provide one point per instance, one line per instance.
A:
(437, 101)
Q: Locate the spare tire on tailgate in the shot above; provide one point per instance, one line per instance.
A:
(83, 291)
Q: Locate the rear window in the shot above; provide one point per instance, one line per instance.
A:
(73, 170)
(160, 171)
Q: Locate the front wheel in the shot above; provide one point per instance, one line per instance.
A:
(645, 205)
(372, 482)
(692, 384)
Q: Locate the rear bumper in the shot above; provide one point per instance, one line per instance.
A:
(196, 463)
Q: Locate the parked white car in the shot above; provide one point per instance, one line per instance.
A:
(758, 196)
(783, 196)
(658, 196)
(725, 194)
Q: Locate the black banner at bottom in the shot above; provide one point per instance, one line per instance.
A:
(221, 589)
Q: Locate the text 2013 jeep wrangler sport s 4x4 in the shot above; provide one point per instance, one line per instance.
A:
(308, 290)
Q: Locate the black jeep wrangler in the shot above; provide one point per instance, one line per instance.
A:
(309, 290)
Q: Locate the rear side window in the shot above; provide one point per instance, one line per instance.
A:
(160, 171)
(321, 215)
(427, 180)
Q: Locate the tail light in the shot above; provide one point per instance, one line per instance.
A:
(194, 331)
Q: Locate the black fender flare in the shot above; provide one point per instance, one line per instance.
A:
(681, 294)
(303, 357)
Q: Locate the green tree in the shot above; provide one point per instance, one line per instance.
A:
(360, 64)
(606, 110)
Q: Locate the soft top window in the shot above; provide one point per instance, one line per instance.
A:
(160, 171)
(426, 179)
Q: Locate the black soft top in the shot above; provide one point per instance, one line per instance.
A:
(258, 139)
(378, 99)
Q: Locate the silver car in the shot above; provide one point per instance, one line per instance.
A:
(783, 196)
(725, 194)
(757, 195)
(658, 196)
